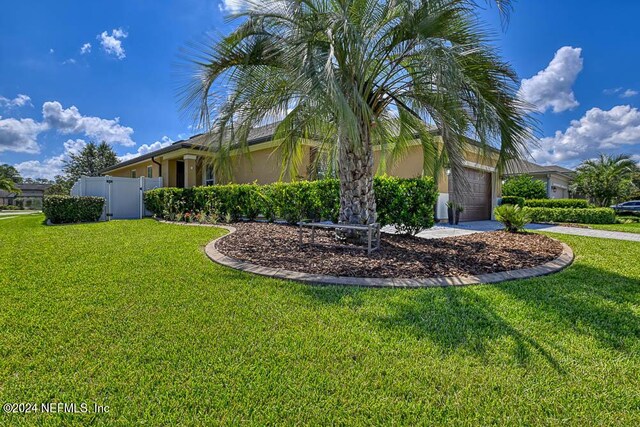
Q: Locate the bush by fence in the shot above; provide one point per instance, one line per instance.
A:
(580, 216)
(512, 200)
(405, 203)
(68, 209)
(557, 203)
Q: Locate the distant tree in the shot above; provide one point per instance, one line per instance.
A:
(61, 186)
(635, 193)
(90, 161)
(37, 181)
(9, 186)
(525, 186)
(9, 172)
(607, 179)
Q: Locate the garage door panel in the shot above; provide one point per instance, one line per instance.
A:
(476, 197)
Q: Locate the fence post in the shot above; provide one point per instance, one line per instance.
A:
(140, 199)
(109, 185)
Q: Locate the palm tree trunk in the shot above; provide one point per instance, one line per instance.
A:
(355, 170)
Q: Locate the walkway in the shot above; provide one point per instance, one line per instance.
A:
(16, 213)
(445, 230)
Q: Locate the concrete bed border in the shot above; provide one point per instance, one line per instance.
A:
(560, 263)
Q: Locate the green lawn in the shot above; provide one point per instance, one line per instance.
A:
(629, 228)
(131, 314)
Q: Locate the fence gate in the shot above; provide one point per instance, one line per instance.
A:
(123, 196)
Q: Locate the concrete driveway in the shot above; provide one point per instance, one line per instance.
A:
(445, 230)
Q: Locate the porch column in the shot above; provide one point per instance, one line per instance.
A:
(189, 170)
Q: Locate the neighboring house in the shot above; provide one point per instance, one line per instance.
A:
(556, 178)
(184, 164)
(30, 197)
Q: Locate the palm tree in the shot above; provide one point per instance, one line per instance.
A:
(606, 179)
(353, 74)
(9, 186)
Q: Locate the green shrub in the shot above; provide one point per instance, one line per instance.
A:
(512, 200)
(624, 219)
(405, 203)
(557, 203)
(9, 208)
(580, 216)
(68, 209)
(512, 216)
(524, 186)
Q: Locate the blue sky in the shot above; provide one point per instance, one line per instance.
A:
(579, 61)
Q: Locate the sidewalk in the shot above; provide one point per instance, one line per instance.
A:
(440, 231)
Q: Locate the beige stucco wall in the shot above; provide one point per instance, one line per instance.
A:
(263, 165)
(140, 168)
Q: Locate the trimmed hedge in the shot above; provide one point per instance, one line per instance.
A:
(512, 200)
(408, 204)
(580, 216)
(557, 203)
(68, 209)
(10, 208)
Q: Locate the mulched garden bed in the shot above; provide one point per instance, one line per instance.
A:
(276, 246)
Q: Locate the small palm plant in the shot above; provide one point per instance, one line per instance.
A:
(513, 217)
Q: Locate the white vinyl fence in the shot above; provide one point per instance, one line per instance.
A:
(123, 196)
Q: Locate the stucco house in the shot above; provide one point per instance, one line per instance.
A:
(31, 196)
(556, 178)
(184, 164)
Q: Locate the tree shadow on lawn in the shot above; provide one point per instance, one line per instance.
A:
(455, 319)
(580, 300)
(590, 301)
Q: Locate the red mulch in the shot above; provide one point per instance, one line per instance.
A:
(276, 246)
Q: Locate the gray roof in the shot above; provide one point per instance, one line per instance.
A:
(27, 188)
(198, 142)
(519, 167)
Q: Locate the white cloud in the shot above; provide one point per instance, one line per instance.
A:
(85, 49)
(19, 101)
(46, 169)
(233, 6)
(112, 44)
(636, 158)
(20, 135)
(147, 148)
(612, 91)
(74, 146)
(614, 130)
(51, 51)
(552, 88)
(70, 121)
(51, 166)
(69, 61)
(621, 92)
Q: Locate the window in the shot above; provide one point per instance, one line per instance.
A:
(209, 177)
(133, 173)
(149, 171)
